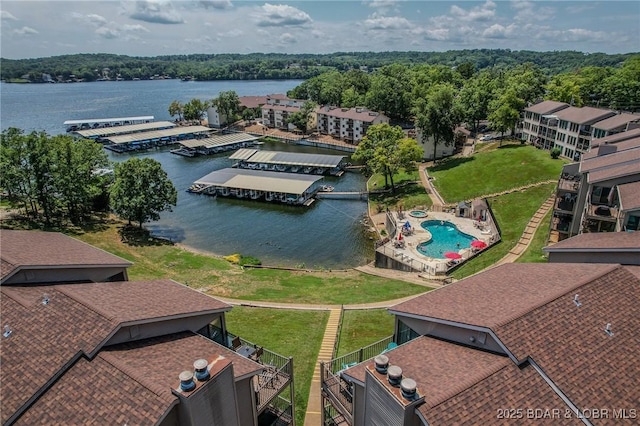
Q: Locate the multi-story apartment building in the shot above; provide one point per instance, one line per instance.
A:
(277, 109)
(600, 193)
(519, 343)
(538, 126)
(154, 352)
(551, 124)
(347, 124)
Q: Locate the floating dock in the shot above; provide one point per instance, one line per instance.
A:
(154, 139)
(288, 188)
(103, 132)
(291, 162)
(94, 123)
(214, 144)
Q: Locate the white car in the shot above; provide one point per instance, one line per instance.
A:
(486, 138)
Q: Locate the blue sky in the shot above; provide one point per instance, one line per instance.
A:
(31, 29)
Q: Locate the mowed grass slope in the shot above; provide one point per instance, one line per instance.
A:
(361, 328)
(215, 276)
(493, 171)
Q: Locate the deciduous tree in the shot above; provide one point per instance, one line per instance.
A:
(141, 190)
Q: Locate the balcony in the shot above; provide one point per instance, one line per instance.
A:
(568, 184)
(602, 212)
(273, 408)
(564, 205)
(561, 224)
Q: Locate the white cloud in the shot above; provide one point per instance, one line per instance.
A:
(387, 23)
(108, 33)
(437, 34)
(236, 32)
(216, 4)
(287, 38)
(499, 31)
(153, 11)
(6, 16)
(25, 31)
(484, 12)
(91, 19)
(275, 15)
(381, 3)
(528, 11)
(135, 28)
(579, 35)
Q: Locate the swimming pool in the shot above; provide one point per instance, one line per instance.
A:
(445, 236)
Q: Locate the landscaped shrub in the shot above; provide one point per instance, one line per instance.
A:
(555, 153)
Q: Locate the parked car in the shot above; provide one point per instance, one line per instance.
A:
(486, 138)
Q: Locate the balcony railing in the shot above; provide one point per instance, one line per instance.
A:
(338, 392)
(568, 185)
(602, 212)
(560, 225)
(562, 204)
(271, 382)
(356, 357)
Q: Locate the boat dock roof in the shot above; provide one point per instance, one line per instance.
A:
(118, 130)
(286, 158)
(219, 140)
(290, 183)
(157, 134)
(108, 120)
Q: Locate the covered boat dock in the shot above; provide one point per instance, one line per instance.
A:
(103, 132)
(214, 144)
(288, 188)
(94, 123)
(292, 162)
(154, 139)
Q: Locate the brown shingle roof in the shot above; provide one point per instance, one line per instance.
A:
(500, 294)
(252, 101)
(44, 338)
(629, 196)
(610, 148)
(616, 121)
(617, 138)
(51, 249)
(547, 107)
(288, 108)
(78, 319)
(128, 301)
(616, 158)
(608, 173)
(600, 241)
(502, 398)
(583, 115)
(570, 345)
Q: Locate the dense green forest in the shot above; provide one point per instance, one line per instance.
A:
(258, 66)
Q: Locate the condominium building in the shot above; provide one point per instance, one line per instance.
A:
(601, 192)
(123, 352)
(551, 124)
(347, 124)
(521, 343)
(277, 109)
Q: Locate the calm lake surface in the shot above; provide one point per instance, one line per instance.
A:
(329, 234)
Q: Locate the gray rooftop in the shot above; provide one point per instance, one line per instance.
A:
(107, 120)
(547, 107)
(290, 183)
(219, 140)
(117, 130)
(616, 121)
(287, 158)
(583, 115)
(158, 134)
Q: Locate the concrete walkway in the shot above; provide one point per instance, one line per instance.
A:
(313, 415)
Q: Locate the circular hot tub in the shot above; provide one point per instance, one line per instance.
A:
(418, 213)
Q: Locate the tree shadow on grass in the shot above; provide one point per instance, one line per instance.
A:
(139, 237)
(450, 163)
(403, 192)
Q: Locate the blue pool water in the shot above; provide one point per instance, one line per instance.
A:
(445, 237)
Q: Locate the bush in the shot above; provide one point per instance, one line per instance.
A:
(555, 153)
(249, 260)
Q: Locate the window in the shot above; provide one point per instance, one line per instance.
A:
(405, 333)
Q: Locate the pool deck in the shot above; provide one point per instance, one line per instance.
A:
(434, 266)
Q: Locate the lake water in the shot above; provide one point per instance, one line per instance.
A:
(329, 234)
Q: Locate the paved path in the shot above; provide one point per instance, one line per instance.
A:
(313, 415)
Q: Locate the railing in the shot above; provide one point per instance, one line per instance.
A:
(602, 212)
(333, 417)
(568, 185)
(356, 357)
(280, 413)
(413, 263)
(338, 392)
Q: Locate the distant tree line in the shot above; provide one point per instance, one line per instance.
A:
(258, 66)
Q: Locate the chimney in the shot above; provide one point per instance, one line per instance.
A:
(394, 374)
(201, 370)
(186, 381)
(382, 363)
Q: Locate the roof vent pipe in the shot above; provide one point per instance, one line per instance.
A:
(45, 299)
(394, 374)
(576, 301)
(186, 381)
(382, 363)
(202, 373)
(7, 331)
(408, 389)
(607, 329)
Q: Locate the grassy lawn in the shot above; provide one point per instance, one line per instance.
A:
(409, 192)
(534, 252)
(288, 332)
(156, 259)
(363, 327)
(495, 170)
(512, 212)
